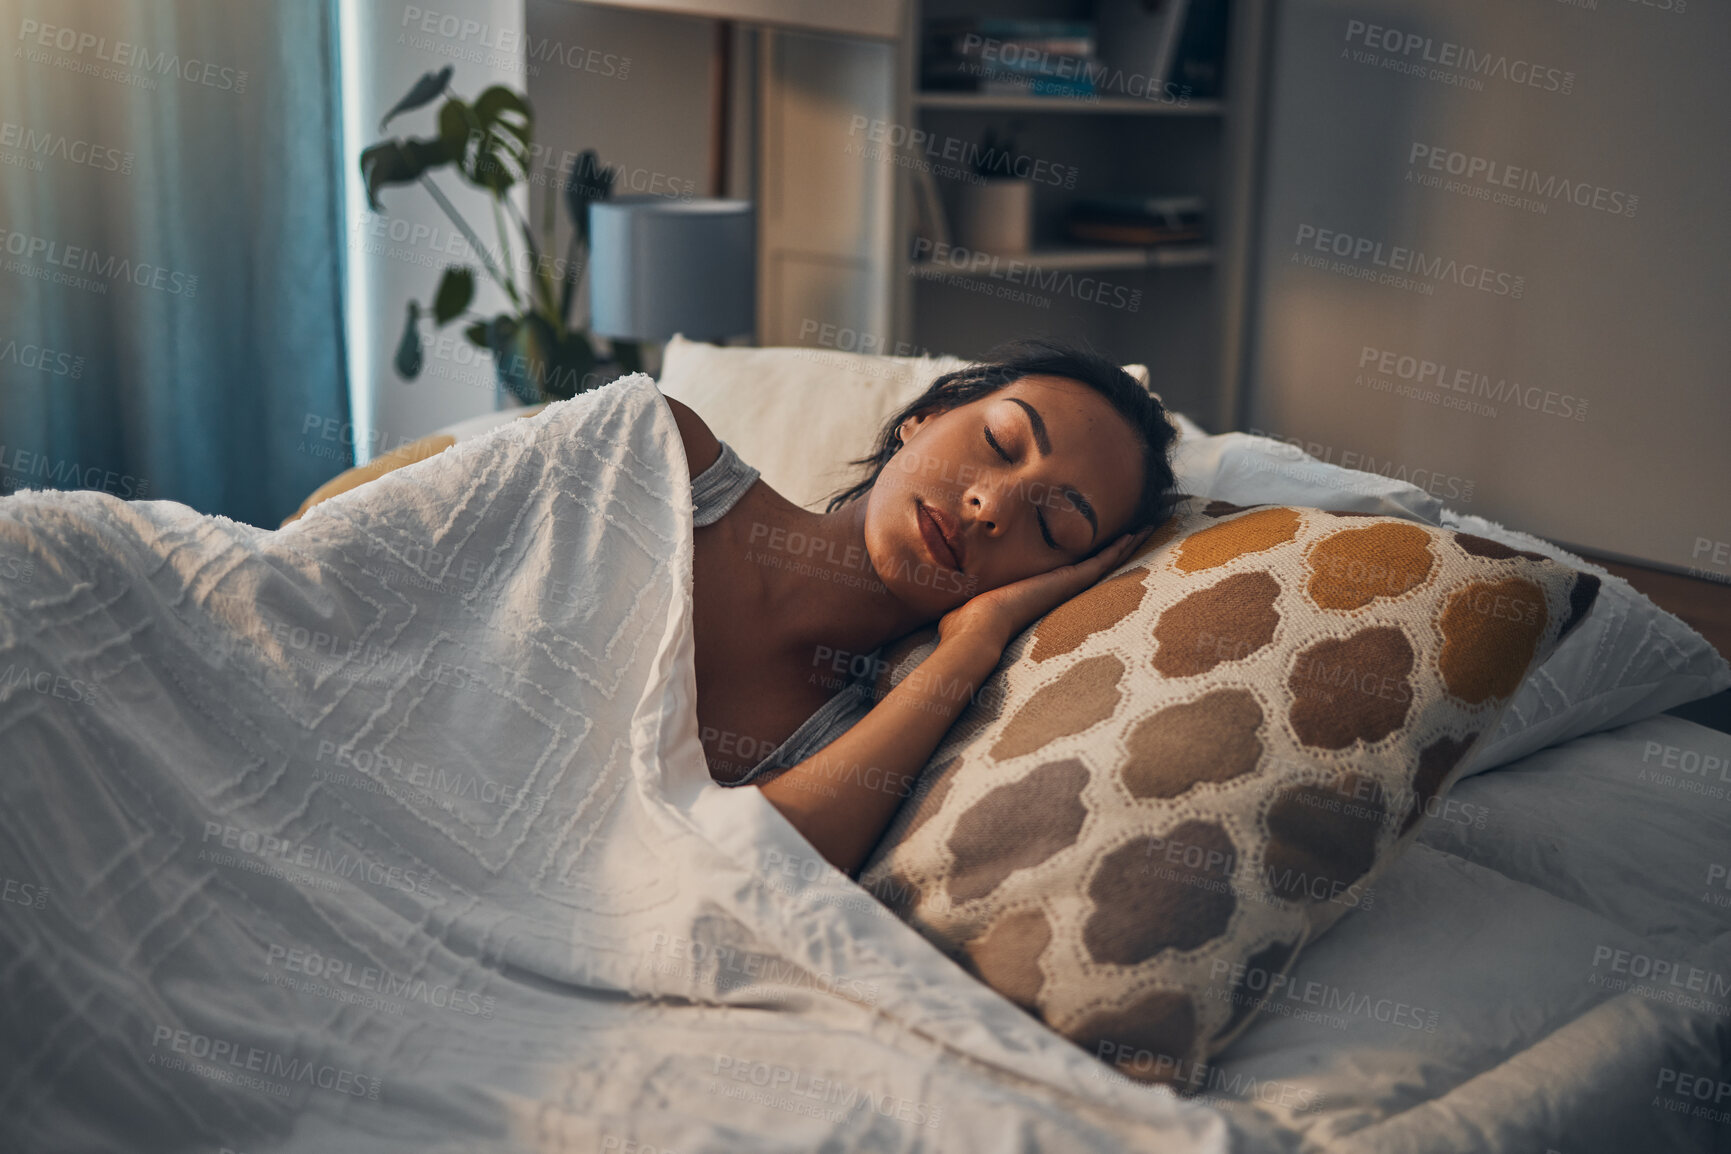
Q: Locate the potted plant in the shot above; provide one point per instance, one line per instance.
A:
(538, 355)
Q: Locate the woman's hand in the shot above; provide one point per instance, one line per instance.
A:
(997, 615)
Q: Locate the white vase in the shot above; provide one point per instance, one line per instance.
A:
(995, 215)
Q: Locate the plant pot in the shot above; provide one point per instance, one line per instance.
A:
(536, 365)
(996, 215)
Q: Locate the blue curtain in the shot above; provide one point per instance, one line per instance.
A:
(170, 251)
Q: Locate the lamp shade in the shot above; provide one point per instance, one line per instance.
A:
(878, 18)
(660, 266)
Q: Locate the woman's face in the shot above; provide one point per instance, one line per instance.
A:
(1037, 475)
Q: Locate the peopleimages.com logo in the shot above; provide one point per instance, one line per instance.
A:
(325, 975)
(1439, 376)
(1368, 258)
(268, 848)
(57, 146)
(976, 161)
(512, 49)
(125, 56)
(1462, 65)
(1486, 178)
(82, 259)
(40, 357)
(224, 1060)
(20, 467)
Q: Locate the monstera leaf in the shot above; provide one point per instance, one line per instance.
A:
(401, 162)
(456, 290)
(490, 138)
(408, 359)
(507, 116)
(425, 91)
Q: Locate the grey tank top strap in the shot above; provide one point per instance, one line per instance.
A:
(719, 487)
(832, 719)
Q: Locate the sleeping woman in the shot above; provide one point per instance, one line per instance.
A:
(1003, 490)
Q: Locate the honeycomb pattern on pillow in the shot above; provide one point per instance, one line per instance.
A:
(1178, 779)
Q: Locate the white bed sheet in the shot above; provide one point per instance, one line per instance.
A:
(1500, 993)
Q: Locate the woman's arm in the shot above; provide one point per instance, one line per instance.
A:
(842, 797)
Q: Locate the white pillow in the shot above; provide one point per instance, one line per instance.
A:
(1187, 429)
(798, 415)
(1249, 470)
(1628, 660)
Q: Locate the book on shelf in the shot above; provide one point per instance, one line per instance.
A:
(1137, 235)
(1138, 42)
(974, 43)
(1003, 56)
(1175, 46)
(1132, 219)
(1010, 28)
(1200, 60)
(986, 77)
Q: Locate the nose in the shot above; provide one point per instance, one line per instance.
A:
(989, 499)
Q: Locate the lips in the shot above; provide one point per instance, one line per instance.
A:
(940, 534)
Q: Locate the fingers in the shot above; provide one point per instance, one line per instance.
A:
(1107, 558)
(1136, 540)
(1126, 544)
(1112, 553)
(1115, 553)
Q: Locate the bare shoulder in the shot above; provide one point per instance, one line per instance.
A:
(702, 447)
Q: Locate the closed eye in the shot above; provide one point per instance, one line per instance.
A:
(1038, 515)
(993, 442)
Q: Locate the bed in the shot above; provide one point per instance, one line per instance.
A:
(516, 956)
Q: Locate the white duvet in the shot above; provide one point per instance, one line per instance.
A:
(390, 830)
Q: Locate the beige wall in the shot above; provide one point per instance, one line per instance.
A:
(1610, 324)
(640, 99)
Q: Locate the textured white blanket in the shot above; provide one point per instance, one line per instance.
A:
(391, 830)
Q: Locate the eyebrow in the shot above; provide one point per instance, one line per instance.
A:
(1043, 442)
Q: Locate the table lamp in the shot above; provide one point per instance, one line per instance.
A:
(660, 265)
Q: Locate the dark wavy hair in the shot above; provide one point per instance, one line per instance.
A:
(1044, 357)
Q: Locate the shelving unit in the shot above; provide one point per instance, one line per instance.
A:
(1089, 259)
(1188, 299)
(1115, 105)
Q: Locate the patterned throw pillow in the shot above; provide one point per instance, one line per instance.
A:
(1179, 778)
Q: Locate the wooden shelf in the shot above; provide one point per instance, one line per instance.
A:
(1206, 147)
(1104, 105)
(1079, 260)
